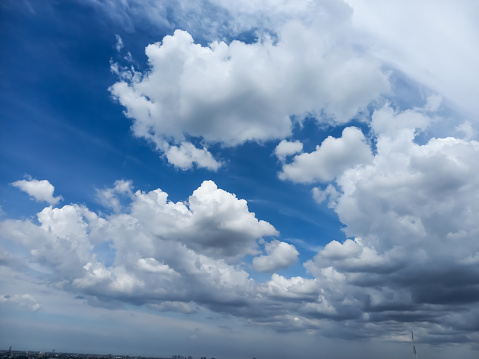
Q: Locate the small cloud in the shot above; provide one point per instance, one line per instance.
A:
(279, 255)
(24, 300)
(119, 43)
(39, 190)
(287, 148)
(111, 197)
(129, 57)
(185, 155)
(330, 159)
(330, 194)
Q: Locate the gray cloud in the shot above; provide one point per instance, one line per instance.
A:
(411, 214)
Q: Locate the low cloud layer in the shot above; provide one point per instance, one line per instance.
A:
(409, 211)
(163, 252)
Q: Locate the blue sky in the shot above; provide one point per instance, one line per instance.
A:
(256, 179)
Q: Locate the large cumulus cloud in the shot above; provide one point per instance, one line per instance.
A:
(238, 92)
(164, 254)
(411, 216)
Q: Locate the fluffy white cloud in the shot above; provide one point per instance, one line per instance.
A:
(186, 155)
(296, 287)
(279, 255)
(230, 94)
(63, 240)
(421, 47)
(386, 122)
(212, 222)
(331, 159)
(165, 254)
(412, 214)
(287, 148)
(330, 193)
(40, 190)
(410, 211)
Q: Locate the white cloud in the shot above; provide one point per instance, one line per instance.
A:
(421, 46)
(411, 216)
(39, 190)
(119, 43)
(279, 255)
(63, 241)
(230, 94)
(212, 222)
(329, 193)
(24, 300)
(164, 252)
(331, 159)
(111, 197)
(388, 122)
(185, 155)
(295, 287)
(409, 210)
(287, 148)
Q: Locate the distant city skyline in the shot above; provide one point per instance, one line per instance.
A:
(32, 354)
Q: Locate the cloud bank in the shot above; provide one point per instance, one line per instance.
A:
(409, 211)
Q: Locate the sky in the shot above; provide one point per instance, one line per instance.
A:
(256, 178)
